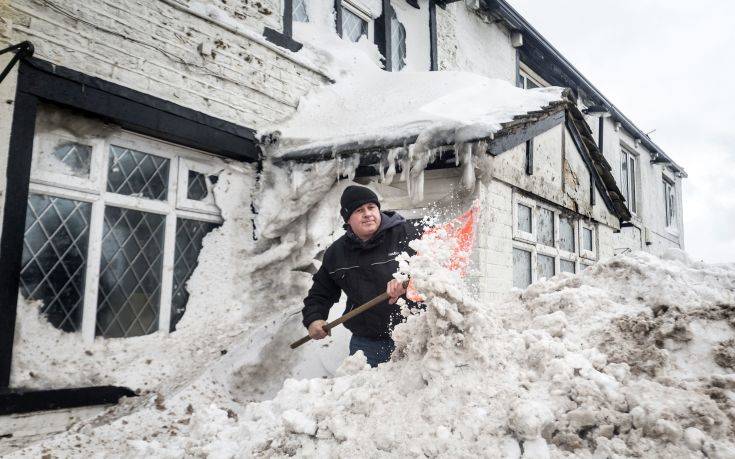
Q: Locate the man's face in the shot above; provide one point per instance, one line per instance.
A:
(365, 221)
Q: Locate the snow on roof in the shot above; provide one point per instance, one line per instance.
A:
(385, 109)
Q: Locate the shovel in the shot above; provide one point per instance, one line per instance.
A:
(358, 310)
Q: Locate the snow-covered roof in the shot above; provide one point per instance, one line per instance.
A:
(383, 109)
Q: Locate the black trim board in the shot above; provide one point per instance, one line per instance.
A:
(18, 401)
(433, 45)
(14, 217)
(137, 111)
(281, 39)
(509, 141)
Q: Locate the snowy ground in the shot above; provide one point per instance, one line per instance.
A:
(634, 356)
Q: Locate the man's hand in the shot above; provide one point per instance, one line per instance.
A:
(317, 331)
(394, 290)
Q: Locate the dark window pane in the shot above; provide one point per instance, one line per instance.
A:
(587, 239)
(189, 236)
(130, 273)
(545, 266)
(139, 174)
(521, 268)
(567, 266)
(353, 26)
(197, 186)
(566, 234)
(76, 157)
(54, 258)
(546, 227)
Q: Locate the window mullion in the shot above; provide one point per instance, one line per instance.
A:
(91, 279)
(169, 246)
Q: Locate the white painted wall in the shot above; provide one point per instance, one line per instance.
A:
(468, 42)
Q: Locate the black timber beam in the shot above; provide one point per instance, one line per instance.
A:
(524, 133)
(17, 401)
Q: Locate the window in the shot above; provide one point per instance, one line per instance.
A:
(527, 79)
(546, 266)
(521, 268)
(397, 43)
(567, 266)
(114, 227)
(354, 21)
(566, 234)
(586, 239)
(628, 173)
(299, 13)
(670, 203)
(524, 218)
(546, 234)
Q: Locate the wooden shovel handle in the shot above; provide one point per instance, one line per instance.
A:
(358, 310)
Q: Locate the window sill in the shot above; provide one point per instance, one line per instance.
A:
(282, 40)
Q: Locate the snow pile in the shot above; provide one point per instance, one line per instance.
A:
(615, 361)
(378, 108)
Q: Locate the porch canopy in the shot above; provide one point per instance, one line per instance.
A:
(382, 110)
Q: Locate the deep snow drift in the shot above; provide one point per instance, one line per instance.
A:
(634, 356)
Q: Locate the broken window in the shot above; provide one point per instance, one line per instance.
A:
(521, 268)
(546, 227)
(628, 172)
(670, 203)
(567, 266)
(524, 218)
(566, 234)
(109, 254)
(545, 266)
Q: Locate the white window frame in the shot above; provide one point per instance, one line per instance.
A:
(554, 223)
(527, 248)
(362, 12)
(519, 234)
(525, 73)
(47, 140)
(573, 261)
(94, 191)
(670, 208)
(575, 236)
(632, 178)
(182, 201)
(584, 253)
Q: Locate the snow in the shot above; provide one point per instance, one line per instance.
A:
(378, 108)
(576, 364)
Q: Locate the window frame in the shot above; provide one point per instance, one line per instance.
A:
(670, 208)
(584, 253)
(525, 74)
(626, 155)
(358, 10)
(52, 184)
(519, 234)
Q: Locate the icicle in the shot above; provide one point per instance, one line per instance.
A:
(347, 166)
(468, 167)
(392, 158)
(417, 187)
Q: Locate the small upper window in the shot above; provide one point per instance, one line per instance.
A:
(354, 22)
(670, 203)
(628, 173)
(299, 13)
(526, 81)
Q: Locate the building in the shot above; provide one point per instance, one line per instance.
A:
(116, 118)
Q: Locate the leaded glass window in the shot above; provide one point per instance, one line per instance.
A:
(353, 26)
(96, 257)
(54, 258)
(299, 13)
(130, 273)
(398, 43)
(189, 237)
(138, 174)
(521, 268)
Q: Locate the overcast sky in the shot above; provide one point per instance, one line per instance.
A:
(667, 65)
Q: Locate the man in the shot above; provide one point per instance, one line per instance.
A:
(361, 263)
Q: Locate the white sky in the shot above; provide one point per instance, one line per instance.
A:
(668, 65)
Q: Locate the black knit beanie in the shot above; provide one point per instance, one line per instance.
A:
(355, 196)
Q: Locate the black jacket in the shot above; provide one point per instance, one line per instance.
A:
(362, 270)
